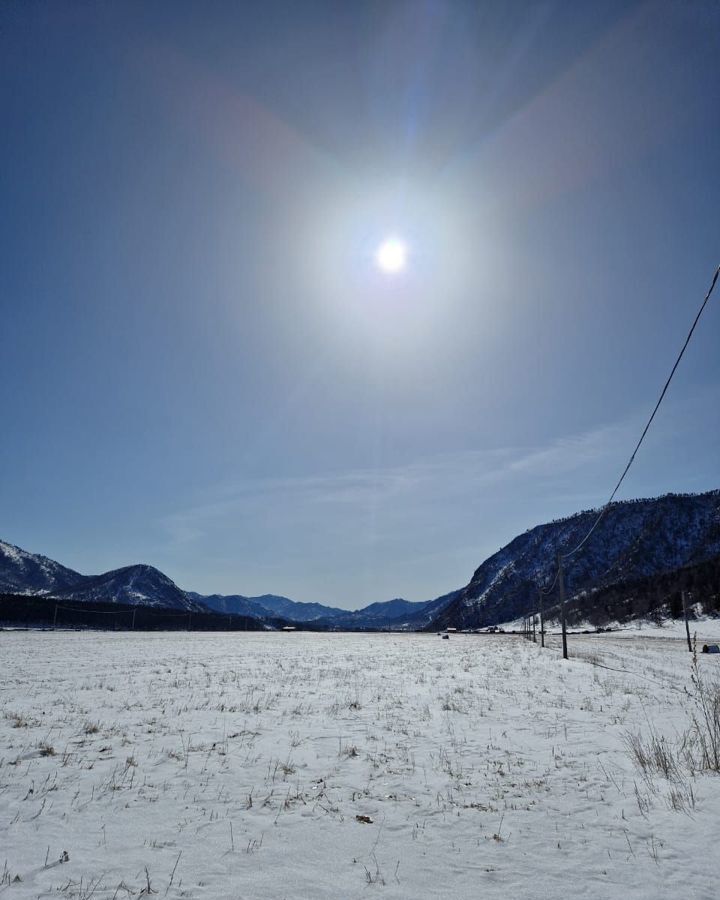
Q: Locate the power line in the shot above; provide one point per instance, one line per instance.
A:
(651, 523)
(563, 556)
(95, 612)
(549, 590)
(649, 421)
(122, 612)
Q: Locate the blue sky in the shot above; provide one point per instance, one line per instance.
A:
(202, 368)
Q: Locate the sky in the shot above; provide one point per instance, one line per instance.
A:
(202, 366)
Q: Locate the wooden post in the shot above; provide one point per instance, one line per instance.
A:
(55, 617)
(561, 580)
(542, 620)
(189, 621)
(534, 629)
(133, 621)
(685, 615)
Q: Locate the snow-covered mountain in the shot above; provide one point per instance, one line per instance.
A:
(29, 573)
(230, 604)
(295, 609)
(143, 585)
(397, 614)
(22, 572)
(635, 539)
(139, 585)
(266, 605)
(422, 614)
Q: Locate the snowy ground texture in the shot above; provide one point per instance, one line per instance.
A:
(261, 765)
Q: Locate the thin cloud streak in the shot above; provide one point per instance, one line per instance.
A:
(392, 493)
(364, 508)
(415, 530)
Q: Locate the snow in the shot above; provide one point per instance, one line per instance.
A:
(12, 552)
(702, 628)
(237, 765)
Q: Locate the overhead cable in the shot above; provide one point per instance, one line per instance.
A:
(649, 422)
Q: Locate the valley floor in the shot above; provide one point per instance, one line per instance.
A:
(265, 766)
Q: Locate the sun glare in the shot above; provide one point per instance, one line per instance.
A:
(391, 256)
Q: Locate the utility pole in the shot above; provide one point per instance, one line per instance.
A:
(561, 580)
(685, 615)
(542, 619)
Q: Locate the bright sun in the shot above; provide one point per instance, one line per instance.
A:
(391, 256)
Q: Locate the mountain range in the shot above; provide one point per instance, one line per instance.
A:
(637, 543)
(139, 585)
(27, 573)
(395, 614)
(264, 605)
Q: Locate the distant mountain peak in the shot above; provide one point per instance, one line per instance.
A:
(137, 585)
(30, 573)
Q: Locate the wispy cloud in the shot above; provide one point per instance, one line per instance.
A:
(361, 492)
(413, 530)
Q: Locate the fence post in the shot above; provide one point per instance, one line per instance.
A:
(133, 621)
(561, 579)
(542, 620)
(685, 616)
(55, 617)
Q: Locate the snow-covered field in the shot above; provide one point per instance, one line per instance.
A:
(704, 629)
(265, 765)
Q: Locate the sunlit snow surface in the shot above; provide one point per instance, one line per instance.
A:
(240, 762)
